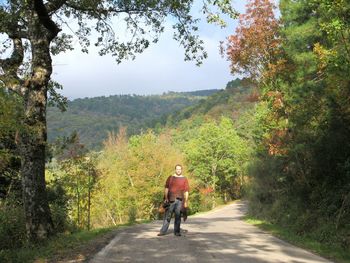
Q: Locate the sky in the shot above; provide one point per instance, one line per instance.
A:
(160, 68)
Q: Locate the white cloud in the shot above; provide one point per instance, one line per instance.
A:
(159, 69)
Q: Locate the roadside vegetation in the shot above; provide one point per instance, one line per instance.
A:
(64, 247)
(330, 251)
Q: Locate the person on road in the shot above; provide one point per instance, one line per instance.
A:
(176, 194)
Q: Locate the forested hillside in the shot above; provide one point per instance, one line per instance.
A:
(93, 118)
(237, 98)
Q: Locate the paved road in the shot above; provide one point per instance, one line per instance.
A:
(216, 236)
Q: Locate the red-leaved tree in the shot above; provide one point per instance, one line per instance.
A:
(255, 44)
(255, 51)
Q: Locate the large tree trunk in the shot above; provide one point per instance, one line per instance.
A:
(33, 140)
(33, 143)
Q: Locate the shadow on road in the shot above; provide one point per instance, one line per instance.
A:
(215, 237)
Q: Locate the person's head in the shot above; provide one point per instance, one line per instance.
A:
(178, 169)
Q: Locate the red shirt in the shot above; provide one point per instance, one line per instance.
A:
(177, 186)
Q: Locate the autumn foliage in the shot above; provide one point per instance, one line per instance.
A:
(255, 42)
(300, 65)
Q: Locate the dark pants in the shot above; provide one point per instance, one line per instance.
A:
(175, 207)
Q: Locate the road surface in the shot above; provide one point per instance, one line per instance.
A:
(216, 236)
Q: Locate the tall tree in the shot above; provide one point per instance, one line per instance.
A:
(33, 27)
(216, 156)
(255, 43)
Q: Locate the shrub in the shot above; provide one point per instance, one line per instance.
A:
(12, 226)
(58, 201)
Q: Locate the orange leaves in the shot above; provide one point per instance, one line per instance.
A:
(277, 99)
(253, 96)
(273, 69)
(276, 142)
(255, 42)
(206, 191)
(276, 139)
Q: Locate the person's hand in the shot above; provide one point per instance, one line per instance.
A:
(166, 204)
(185, 204)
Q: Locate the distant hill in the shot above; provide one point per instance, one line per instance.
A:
(92, 118)
(236, 99)
(200, 93)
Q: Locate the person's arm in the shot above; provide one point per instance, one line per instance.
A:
(166, 189)
(166, 192)
(186, 199)
(187, 188)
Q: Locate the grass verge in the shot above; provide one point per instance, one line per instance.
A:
(332, 252)
(71, 247)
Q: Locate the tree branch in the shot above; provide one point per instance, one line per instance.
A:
(11, 65)
(45, 19)
(106, 11)
(14, 83)
(3, 17)
(9, 24)
(53, 6)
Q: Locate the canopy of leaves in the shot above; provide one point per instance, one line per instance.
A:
(255, 42)
(217, 156)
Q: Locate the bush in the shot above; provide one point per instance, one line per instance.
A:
(132, 214)
(195, 202)
(58, 201)
(12, 226)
